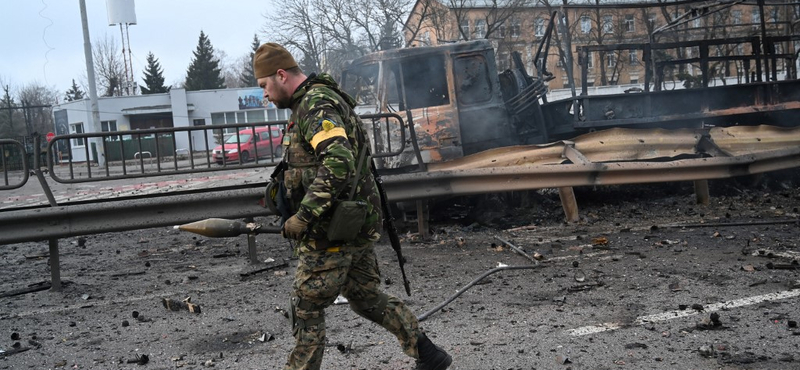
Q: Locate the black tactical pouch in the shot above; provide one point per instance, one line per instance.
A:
(349, 215)
(347, 220)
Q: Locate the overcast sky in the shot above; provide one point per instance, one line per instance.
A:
(42, 40)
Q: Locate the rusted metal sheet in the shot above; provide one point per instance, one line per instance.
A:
(437, 133)
(619, 144)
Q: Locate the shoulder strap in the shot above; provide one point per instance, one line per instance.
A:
(357, 177)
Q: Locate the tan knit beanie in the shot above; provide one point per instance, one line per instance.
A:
(271, 57)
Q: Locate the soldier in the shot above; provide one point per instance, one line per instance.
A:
(323, 147)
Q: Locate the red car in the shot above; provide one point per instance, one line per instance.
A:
(246, 146)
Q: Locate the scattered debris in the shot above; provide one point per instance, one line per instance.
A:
(711, 323)
(139, 360)
(131, 273)
(676, 287)
(522, 228)
(266, 337)
(13, 351)
(518, 250)
(225, 254)
(602, 240)
(578, 288)
(635, 346)
(35, 287)
(563, 360)
(748, 268)
(175, 305)
(340, 300)
(783, 266)
(706, 351)
(271, 266)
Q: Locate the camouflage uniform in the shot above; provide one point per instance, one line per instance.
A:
(321, 149)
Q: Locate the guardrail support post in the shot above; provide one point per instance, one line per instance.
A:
(251, 244)
(55, 267)
(701, 192)
(569, 203)
(422, 219)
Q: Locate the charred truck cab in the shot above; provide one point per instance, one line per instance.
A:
(451, 98)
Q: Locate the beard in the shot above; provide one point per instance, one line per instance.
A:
(282, 100)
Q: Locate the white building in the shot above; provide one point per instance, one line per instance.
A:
(177, 108)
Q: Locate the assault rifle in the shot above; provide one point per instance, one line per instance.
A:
(388, 224)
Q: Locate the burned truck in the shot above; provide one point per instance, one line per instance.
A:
(454, 101)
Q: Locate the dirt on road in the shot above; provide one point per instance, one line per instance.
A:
(647, 279)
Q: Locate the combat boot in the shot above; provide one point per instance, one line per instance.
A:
(431, 357)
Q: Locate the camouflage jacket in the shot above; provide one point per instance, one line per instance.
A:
(321, 148)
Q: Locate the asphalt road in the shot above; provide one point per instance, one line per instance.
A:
(646, 280)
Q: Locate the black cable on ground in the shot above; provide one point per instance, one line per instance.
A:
(470, 285)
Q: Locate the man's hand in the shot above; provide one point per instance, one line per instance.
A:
(294, 228)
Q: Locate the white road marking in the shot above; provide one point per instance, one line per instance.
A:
(669, 315)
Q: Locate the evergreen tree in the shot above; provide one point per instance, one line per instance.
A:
(153, 77)
(204, 72)
(74, 93)
(248, 77)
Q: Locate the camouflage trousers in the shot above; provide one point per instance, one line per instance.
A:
(352, 271)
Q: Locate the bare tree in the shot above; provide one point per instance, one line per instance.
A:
(430, 14)
(37, 99)
(109, 66)
(231, 70)
(295, 25)
(328, 33)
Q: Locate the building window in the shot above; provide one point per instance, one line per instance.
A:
(503, 60)
(612, 60)
(501, 31)
(538, 27)
(756, 18)
(107, 126)
(697, 23)
(737, 16)
(515, 27)
(652, 18)
(480, 28)
(77, 128)
(774, 14)
(199, 122)
(465, 29)
(630, 25)
(634, 79)
(608, 24)
(586, 24)
(633, 56)
(590, 61)
(740, 49)
(426, 38)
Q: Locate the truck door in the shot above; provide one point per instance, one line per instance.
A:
(426, 97)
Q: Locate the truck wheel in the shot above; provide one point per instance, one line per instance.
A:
(278, 152)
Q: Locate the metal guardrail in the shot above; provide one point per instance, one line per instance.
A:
(132, 159)
(154, 152)
(5, 164)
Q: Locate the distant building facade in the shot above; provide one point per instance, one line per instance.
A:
(177, 108)
(517, 26)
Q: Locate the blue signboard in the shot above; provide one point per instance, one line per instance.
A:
(253, 99)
